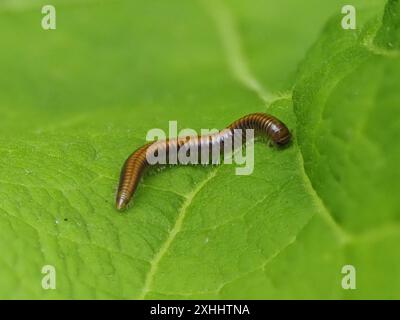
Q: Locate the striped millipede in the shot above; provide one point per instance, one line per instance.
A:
(137, 162)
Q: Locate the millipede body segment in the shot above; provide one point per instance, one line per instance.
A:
(137, 162)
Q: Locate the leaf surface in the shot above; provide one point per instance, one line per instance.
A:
(78, 100)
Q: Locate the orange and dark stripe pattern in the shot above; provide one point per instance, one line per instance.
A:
(136, 163)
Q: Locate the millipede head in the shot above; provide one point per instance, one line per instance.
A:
(284, 139)
(281, 135)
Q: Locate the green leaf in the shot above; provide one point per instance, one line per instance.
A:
(389, 35)
(78, 100)
(346, 102)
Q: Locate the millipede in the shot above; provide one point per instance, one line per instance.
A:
(137, 162)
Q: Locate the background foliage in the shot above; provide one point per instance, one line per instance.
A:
(76, 101)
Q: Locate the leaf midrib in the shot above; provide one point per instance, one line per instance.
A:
(154, 264)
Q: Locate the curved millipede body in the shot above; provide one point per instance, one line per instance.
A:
(137, 162)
